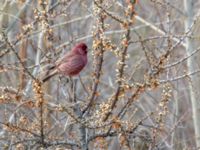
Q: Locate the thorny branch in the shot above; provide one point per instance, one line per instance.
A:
(99, 54)
(122, 62)
(99, 110)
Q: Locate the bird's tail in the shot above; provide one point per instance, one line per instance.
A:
(49, 71)
(48, 76)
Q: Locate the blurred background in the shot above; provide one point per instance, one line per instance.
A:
(139, 90)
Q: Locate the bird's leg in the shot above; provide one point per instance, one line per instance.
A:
(72, 83)
(64, 80)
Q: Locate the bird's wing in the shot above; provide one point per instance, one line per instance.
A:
(73, 65)
(65, 58)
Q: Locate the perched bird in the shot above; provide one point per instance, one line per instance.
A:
(70, 64)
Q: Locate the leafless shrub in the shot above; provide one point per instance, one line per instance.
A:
(133, 94)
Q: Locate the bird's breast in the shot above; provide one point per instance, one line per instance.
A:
(85, 59)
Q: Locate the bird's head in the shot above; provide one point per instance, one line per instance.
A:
(81, 49)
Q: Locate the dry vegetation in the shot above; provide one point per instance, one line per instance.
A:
(135, 92)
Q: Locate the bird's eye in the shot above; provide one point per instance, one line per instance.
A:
(82, 51)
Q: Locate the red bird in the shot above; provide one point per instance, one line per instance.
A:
(71, 63)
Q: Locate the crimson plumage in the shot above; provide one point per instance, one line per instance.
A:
(70, 64)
